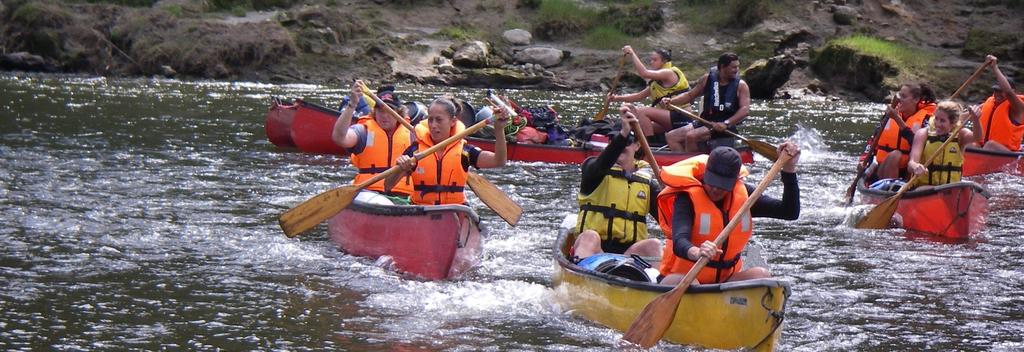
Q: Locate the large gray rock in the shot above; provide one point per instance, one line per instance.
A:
(517, 36)
(844, 15)
(472, 54)
(765, 76)
(540, 55)
(25, 61)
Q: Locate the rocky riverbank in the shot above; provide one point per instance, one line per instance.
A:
(788, 48)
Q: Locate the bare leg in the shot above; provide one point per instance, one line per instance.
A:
(587, 244)
(756, 272)
(646, 248)
(657, 119)
(696, 138)
(890, 167)
(676, 139)
(993, 145)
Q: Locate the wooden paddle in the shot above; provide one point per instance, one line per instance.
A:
(615, 84)
(648, 155)
(657, 316)
(881, 215)
(874, 144)
(491, 195)
(872, 148)
(325, 205)
(767, 150)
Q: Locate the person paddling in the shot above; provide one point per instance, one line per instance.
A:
(374, 141)
(999, 121)
(726, 105)
(616, 195)
(947, 166)
(663, 81)
(440, 178)
(915, 105)
(702, 194)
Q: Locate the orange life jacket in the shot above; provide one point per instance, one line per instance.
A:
(708, 220)
(379, 155)
(890, 139)
(439, 179)
(996, 125)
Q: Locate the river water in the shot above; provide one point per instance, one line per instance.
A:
(142, 214)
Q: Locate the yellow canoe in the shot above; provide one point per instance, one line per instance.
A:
(743, 314)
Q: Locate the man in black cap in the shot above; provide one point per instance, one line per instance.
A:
(616, 195)
(999, 121)
(375, 140)
(702, 194)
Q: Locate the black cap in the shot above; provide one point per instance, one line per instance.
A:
(995, 86)
(388, 96)
(723, 168)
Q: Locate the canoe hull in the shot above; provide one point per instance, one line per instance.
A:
(428, 242)
(980, 162)
(311, 128)
(745, 314)
(576, 155)
(278, 125)
(955, 210)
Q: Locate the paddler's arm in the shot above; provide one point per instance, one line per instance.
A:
(407, 163)
(342, 135)
(682, 225)
(499, 156)
(789, 207)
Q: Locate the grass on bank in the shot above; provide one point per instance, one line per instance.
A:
(712, 15)
(902, 56)
(606, 37)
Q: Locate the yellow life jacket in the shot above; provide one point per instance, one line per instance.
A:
(946, 168)
(617, 209)
(439, 180)
(379, 155)
(681, 86)
(708, 221)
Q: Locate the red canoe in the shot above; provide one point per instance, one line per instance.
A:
(576, 155)
(955, 210)
(979, 161)
(311, 125)
(304, 125)
(431, 242)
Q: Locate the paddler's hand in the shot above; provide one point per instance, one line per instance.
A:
(916, 168)
(628, 118)
(709, 249)
(793, 151)
(355, 93)
(719, 127)
(406, 163)
(628, 50)
(500, 118)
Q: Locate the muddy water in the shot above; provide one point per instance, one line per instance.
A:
(142, 214)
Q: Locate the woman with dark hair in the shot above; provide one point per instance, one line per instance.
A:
(440, 178)
(916, 104)
(663, 81)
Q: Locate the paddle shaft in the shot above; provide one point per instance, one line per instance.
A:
(647, 151)
(702, 120)
(658, 314)
(387, 108)
(615, 84)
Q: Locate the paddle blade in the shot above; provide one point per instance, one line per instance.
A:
(600, 114)
(495, 199)
(881, 216)
(851, 189)
(652, 323)
(317, 209)
(766, 150)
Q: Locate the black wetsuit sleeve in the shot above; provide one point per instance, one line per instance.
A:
(655, 190)
(788, 208)
(595, 169)
(682, 224)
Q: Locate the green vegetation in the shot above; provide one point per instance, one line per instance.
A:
(902, 56)
(606, 37)
(981, 42)
(40, 14)
(459, 33)
(565, 19)
(174, 10)
(712, 15)
(233, 5)
(133, 3)
(753, 46)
